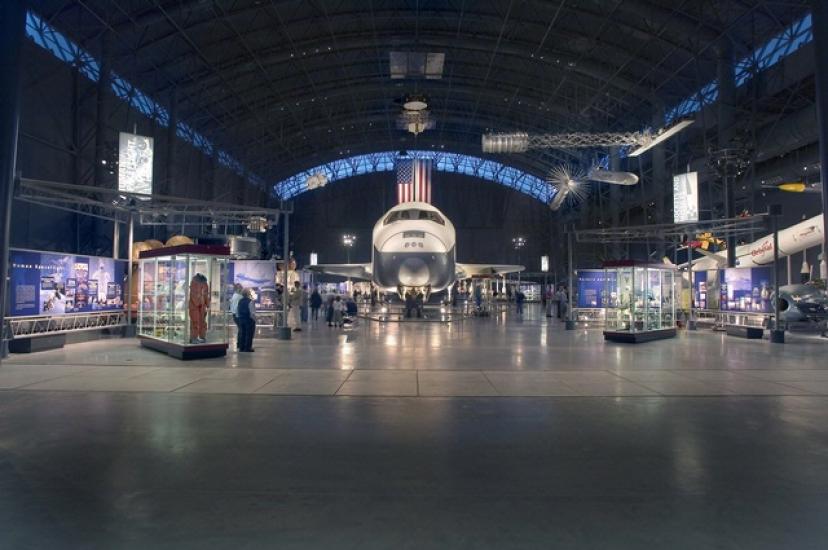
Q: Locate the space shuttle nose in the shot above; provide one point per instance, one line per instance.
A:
(414, 272)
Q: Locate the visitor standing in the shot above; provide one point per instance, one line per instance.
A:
(303, 305)
(247, 321)
(338, 311)
(234, 311)
(315, 303)
(295, 304)
(520, 297)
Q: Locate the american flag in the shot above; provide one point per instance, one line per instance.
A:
(414, 180)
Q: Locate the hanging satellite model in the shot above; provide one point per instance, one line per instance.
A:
(569, 182)
(415, 116)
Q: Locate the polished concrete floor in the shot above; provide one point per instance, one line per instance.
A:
(499, 433)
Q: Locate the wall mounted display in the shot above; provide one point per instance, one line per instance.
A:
(257, 275)
(592, 285)
(49, 284)
(746, 290)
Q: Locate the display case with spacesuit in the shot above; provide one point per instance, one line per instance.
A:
(182, 310)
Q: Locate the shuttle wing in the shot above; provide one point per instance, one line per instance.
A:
(464, 271)
(355, 271)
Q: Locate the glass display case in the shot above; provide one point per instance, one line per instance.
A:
(640, 301)
(182, 310)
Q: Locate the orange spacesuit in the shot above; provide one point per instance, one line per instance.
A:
(198, 305)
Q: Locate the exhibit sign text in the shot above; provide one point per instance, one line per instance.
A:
(686, 197)
(135, 163)
(45, 283)
(593, 285)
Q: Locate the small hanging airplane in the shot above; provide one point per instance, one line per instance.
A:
(414, 248)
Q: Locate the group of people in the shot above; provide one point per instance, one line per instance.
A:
(557, 299)
(414, 302)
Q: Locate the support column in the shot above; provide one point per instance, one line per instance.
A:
(615, 200)
(12, 21)
(659, 180)
(102, 114)
(819, 10)
(726, 119)
(172, 136)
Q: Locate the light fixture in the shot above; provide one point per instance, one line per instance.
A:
(519, 242)
(348, 240)
(662, 135)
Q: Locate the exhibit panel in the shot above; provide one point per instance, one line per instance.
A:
(53, 294)
(640, 302)
(182, 308)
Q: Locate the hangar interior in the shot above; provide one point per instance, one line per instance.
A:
(579, 247)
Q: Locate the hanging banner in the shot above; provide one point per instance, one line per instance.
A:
(135, 163)
(686, 197)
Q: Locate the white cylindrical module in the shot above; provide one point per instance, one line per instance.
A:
(794, 239)
(517, 142)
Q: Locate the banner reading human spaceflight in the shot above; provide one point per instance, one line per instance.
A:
(45, 283)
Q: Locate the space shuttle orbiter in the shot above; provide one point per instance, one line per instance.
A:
(414, 247)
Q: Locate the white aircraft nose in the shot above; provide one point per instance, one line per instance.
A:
(414, 272)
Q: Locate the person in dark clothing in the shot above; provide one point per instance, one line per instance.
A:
(329, 312)
(410, 304)
(315, 304)
(247, 321)
(418, 304)
(520, 297)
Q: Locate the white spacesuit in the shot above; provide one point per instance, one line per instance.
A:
(103, 277)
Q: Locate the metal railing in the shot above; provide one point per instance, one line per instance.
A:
(22, 327)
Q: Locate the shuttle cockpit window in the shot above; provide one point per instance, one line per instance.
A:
(414, 214)
(431, 216)
(399, 215)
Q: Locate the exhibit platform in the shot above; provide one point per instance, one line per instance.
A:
(185, 352)
(396, 314)
(639, 337)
